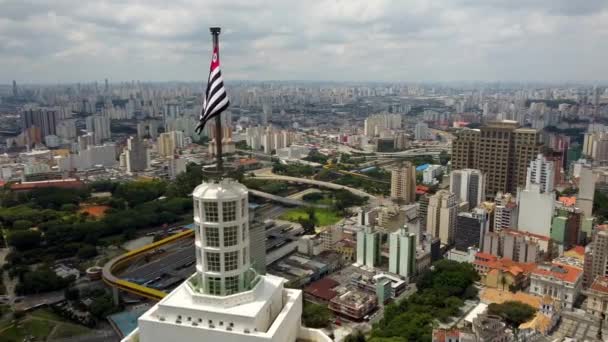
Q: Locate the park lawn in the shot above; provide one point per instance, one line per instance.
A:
(37, 328)
(324, 217)
(294, 215)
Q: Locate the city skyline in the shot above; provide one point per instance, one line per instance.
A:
(412, 41)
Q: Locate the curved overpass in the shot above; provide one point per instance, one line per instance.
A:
(118, 262)
(328, 185)
(284, 200)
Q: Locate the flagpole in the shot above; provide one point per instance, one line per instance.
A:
(215, 34)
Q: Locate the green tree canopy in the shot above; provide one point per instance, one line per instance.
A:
(514, 313)
(316, 315)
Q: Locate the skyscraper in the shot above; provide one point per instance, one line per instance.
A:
(441, 217)
(15, 89)
(469, 186)
(225, 300)
(501, 151)
(402, 253)
(403, 183)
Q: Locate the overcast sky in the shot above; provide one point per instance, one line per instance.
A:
(380, 40)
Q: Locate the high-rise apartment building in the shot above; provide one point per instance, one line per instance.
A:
(368, 247)
(596, 258)
(136, 155)
(469, 186)
(505, 211)
(99, 126)
(541, 172)
(421, 131)
(169, 142)
(536, 210)
(66, 129)
(45, 119)
(225, 300)
(500, 150)
(441, 217)
(403, 183)
(402, 253)
(586, 190)
(375, 124)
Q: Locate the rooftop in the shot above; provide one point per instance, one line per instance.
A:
(565, 273)
(323, 289)
(600, 285)
(354, 298)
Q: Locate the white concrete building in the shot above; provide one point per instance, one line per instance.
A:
(560, 282)
(92, 156)
(431, 173)
(535, 210)
(225, 300)
(540, 172)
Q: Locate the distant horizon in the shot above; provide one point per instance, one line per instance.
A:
(68, 41)
(350, 82)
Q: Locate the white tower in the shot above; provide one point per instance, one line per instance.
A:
(225, 300)
(221, 216)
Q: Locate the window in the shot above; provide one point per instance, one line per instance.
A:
(231, 235)
(229, 211)
(244, 231)
(215, 285)
(210, 211)
(244, 255)
(232, 285)
(243, 204)
(212, 236)
(213, 262)
(231, 260)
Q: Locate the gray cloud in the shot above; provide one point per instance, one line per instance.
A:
(394, 40)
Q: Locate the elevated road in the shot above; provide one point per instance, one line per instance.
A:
(121, 262)
(268, 175)
(284, 200)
